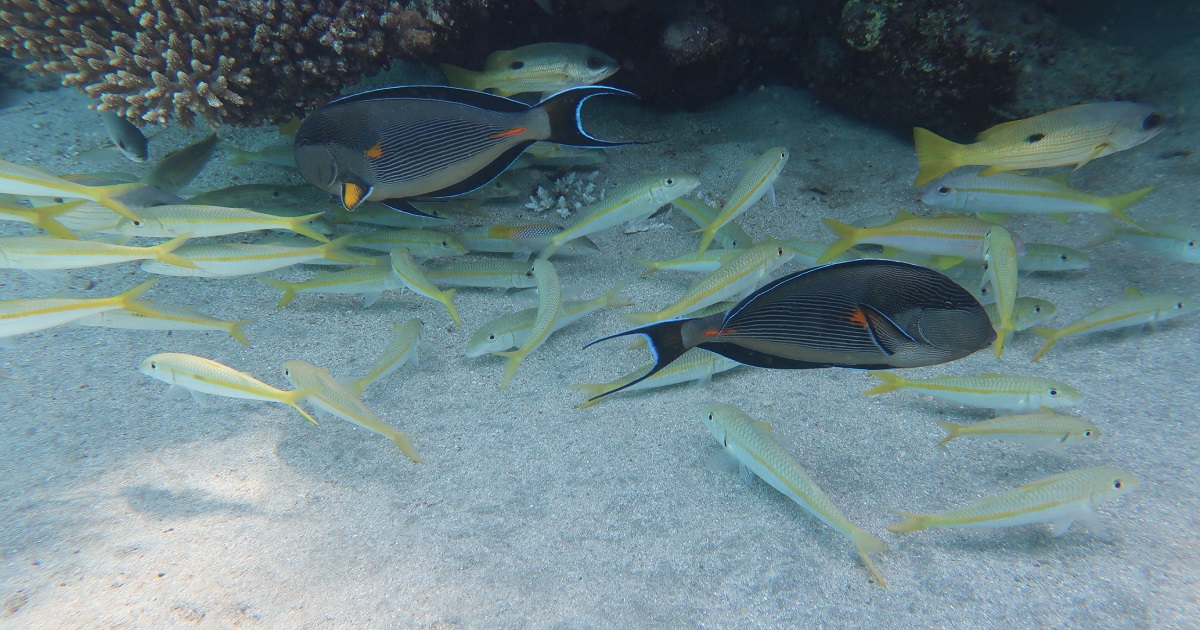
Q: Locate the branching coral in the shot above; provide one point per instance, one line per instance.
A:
(231, 61)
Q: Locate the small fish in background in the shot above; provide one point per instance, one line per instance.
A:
(23, 180)
(1174, 241)
(1009, 193)
(324, 392)
(394, 144)
(862, 313)
(1000, 272)
(1060, 500)
(548, 155)
(179, 167)
(369, 280)
(544, 67)
(953, 236)
(281, 155)
(756, 182)
(401, 350)
(708, 262)
(1071, 135)
(1135, 310)
(252, 196)
(125, 136)
(412, 276)
(1050, 258)
(419, 243)
(754, 447)
(694, 365)
(1042, 429)
(510, 331)
(1001, 392)
(731, 235)
(160, 316)
(18, 317)
(549, 290)
(200, 376)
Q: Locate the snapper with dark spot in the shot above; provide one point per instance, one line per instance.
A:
(866, 314)
(393, 144)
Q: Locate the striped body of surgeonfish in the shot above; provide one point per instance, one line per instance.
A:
(857, 314)
(397, 143)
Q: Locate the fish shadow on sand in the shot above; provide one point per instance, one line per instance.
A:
(163, 503)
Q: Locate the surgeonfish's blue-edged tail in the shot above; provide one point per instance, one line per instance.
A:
(666, 342)
(566, 125)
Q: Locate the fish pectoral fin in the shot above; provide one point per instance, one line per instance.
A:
(1100, 149)
(371, 298)
(887, 334)
(1088, 519)
(723, 461)
(747, 476)
(175, 392)
(354, 194)
(1061, 526)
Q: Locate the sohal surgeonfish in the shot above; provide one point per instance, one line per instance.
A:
(398, 143)
(856, 314)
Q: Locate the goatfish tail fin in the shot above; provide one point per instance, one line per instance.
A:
(566, 127)
(447, 299)
(890, 383)
(131, 300)
(405, 445)
(908, 522)
(593, 391)
(165, 252)
(935, 154)
(335, 251)
(300, 226)
(1119, 204)
(460, 77)
(237, 330)
(952, 431)
(107, 196)
(846, 234)
(613, 298)
(295, 397)
(1051, 337)
(510, 367)
(666, 343)
(866, 543)
(288, 288)
(46, 218)
(707, 233)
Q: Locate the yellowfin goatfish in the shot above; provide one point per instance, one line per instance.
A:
(757, 450)
(127, 138)
(179, 167)
(396, 143)
(730, 236)
(1071, 135)
(370, 280)
(545, 67)
(758, 180)
(18, 317)
(1137, 310)
(1040, 257)
(201, 221)
(199, 376)
(328, 395)
(988, 391)
(707, 262)
(1008, 193)
(549, 307)
(33, 253)
(510, 331)
(402, 349)
(22, 180)
(522, 238)
(1000, 271)
(413, 276)
(625, 204)
(1027, 312)
(694, 365)
(1059, 500)
(1042, 429)
(225, 260)
(741, 273)
(419, 243)
(159, 316)
(1173, 241)
(861, 313)
(937, 236)
(484, 274)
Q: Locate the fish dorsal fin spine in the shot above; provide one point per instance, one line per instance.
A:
(993, 131)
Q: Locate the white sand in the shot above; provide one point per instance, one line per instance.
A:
(121, 509)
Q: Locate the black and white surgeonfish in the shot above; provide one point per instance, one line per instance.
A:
(421, 141)
(868, 313)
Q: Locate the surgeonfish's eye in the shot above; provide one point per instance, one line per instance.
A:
(945, 190)
(1116, 484)
(517, 65)
(594, 62)
(1152, 121)
(1054, 392)
(948, 304)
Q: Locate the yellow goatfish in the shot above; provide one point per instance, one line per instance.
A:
(485, 274)
(18, 317)
(1009, 193)
(1071, 135)
(1059, 500)
(989, 391)
(173, 220)
(330, 396)
(199, 376)
(225, 260)
(406, 337)
(1137, 310)
(510, 331)
(159, 316)
(549, 307)
(34, 253)
(731, 236)
(758, 180)
(1041, 429)
(757, 450)
(22, 180)
(960, 237)
(1027, 312)
(413, 277)
(696, 364)
(544, 67)
(1000, 271)
(419, 243)
(370, 280)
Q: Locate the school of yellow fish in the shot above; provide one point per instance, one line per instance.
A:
(89, 219)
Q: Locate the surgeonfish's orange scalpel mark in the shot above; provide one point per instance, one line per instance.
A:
(374, 152)
(858, 318)
(511, 132)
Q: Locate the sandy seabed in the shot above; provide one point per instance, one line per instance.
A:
(120, 508)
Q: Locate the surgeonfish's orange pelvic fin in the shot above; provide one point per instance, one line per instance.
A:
(353, 195)
(935, 155)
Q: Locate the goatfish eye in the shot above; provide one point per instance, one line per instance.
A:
(153, 365)
(491, 337)
(1152, 121)
(1054, 392)
(517, 65)
(1117, 484)
(945, 190)
(669, 182)
(1179, 305)
(1087, 434)
(1063, 257)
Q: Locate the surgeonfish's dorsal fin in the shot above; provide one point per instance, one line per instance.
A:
(473, 98)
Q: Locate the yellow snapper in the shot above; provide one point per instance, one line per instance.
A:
(756, 449)
(988, 390)
(370, 280)
(1009, 193)
(758, 180)
(411, 275)
(18, 317)
(1059, 500)
(1041, 429)
(1136, 310)
(696, 364)
(1071, 135)
(545, 67)
(200, 221)
(938, 236)
(510, 331)
(22, 180)
(199, 376)
(33, 253)
(549, 307)
(406, 336)
(1173, 241)
(225, 260)
(159, 316)
(1000, 271)
(328, 395)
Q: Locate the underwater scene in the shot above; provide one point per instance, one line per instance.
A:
(599, 314)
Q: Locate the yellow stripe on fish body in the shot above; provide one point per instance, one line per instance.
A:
(1009, 193)
(487, 274)
(549, 307)
(224, 260)
(1042, 429)
(205, 376)
(1134, 311)
(988, 391)
(759, 451)
(739, 274)
(34, 253)
(706, 262)
(419, 243)
(159, 316)
(368, 279)
(626, 203)
(18, 317)
(22, 180)
(1059, 500)
(1027, 312)
(731, 235)
(45, 217)
(406, 337)
(757, 181)
(1000, 264)
(173, 220)
(938, 236)
(696, 364)
(510, 331)
(330, 396)
(413, 277)
(1071, 135)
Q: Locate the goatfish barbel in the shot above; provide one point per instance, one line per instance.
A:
(22, 180)
(397, 143)
(1071, 135)
(864, 313)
